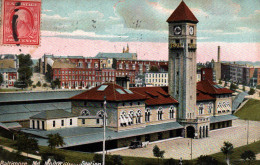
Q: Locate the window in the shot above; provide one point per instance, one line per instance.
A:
(147, 115)
(33, 124)
(138, 116)
(201, 107)
(123, 119)
(131, 116)
(99, 116)
(133, 67)
(120, 66)
(70, 121)
(171, 112)
(83, 121)
(62, 122)
(85, 112)
(53, 124)
(160, 112)
(210, 107)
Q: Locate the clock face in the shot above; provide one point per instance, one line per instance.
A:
(191, 30)
(177, 30)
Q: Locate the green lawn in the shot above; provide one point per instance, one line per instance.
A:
(11, 90)
(235, 157)
(78, 157)
(250, 111)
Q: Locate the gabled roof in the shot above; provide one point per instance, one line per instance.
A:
(53, 114)
(209, 87)
(203, 97)
(155, 95)
(112, 92)
(182, 13)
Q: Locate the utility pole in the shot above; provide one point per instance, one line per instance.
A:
(247, 132)
(191, 148)
(104, 124)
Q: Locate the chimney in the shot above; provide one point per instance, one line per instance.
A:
(218, 53)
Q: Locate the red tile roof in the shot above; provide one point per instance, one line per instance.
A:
(155, 95)
(203, 97)
(111, 94)
(210, 87)
(182, 13)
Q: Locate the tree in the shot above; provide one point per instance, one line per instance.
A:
(27, 144)
(157, 152)
(248, 156)
(38, 84)
(55, 140)
(205, 160)
(49, 73)
(25, 70)
(154, 69)
(56, 83)
(233, 87)
(227, 150)
(251, 92)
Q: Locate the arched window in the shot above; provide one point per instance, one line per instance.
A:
(123, 119)
(160, 113)
(99, 116)
(201, 107)
(85, 112)
(138, 116)
(147, 114)
(210, 107)
(131, 116)
(171, 112)
(219, 107)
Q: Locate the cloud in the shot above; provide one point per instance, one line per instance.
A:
(79, 33)
(56, 16)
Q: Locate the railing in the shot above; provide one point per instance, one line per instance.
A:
(176, 45)
(192, 46)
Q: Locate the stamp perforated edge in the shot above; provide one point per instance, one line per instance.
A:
(2, 30)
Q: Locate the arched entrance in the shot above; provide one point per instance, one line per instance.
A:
(190, 131)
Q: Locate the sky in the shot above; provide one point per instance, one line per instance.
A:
(86, 27)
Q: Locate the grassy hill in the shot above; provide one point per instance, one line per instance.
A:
(250, 111)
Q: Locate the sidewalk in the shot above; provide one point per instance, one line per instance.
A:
(22, 153)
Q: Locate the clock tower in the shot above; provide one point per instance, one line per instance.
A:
(182, 65)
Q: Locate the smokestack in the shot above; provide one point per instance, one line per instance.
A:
(218, 53)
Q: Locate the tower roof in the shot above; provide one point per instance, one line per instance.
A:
(182, 13)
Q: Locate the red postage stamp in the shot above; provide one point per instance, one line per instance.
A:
(21, 22)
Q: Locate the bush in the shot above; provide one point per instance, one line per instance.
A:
(205, 160)
(38, 84)
(52, 156)
(171, 162)
(97, 158)
(233, 87)
(248, 156)
(117, 159)
(251, 92)
(34, 86)
(44, 85)
(219, 81)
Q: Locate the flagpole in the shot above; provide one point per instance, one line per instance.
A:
(104, 125)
